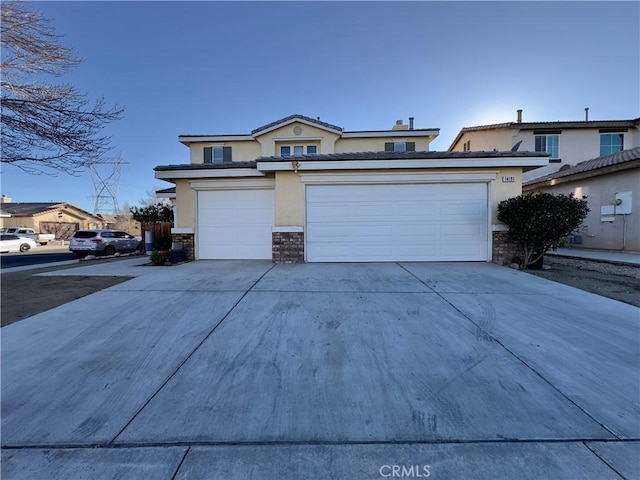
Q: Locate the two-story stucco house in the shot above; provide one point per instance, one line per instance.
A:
(300, 189)
(567, 143)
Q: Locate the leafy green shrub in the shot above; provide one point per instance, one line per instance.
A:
(541, 222)
(157, 258)
(152, 213)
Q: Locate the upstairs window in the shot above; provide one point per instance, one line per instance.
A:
(285, 150)
(549, 144)
(467, 146)
(217, 154)
(611, 143)
(400, 147)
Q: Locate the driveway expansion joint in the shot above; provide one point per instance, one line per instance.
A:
(517, 357)
(186, 359)
(608, 464)
(292, 443)
(184, 457)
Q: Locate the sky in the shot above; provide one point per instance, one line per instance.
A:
(229, 67)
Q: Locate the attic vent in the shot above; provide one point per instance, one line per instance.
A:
(297, 130)
(564, 167)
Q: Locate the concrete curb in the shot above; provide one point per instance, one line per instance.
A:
(38, 266)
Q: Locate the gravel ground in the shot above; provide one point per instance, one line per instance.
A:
(619, 282)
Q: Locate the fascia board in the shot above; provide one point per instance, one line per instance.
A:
(391, 133)
(166, 195)
(186, 140)
(209, 173)
(405, 164)
(396, 178)
(233, 184)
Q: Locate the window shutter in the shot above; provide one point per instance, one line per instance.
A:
(208, 154)
(388, 147)
(226, 154)
(411, 146)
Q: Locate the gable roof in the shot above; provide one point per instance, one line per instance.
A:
(618, 158)
(31, 209)
(293, 118)
(551, 125)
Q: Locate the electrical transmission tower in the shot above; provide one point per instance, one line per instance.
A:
(105, 176)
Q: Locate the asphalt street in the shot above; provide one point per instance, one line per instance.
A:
(40, 255)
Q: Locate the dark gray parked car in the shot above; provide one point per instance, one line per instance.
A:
(104, 242)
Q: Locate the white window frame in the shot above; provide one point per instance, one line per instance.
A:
(546, 147)
(292, 148)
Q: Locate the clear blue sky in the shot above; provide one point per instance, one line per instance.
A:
(214, 67)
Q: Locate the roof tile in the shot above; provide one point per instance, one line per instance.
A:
(589, 165)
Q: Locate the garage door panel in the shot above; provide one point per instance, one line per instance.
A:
(419, 222)
(235, 224)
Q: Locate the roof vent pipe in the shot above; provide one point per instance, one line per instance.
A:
(586, 114)
(410, 123)
(520, 115)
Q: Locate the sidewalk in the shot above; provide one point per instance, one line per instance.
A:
(628, 258)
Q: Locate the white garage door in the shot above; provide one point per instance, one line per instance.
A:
(421, 222)
(235, 224)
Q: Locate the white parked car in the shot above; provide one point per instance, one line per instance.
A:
(14, 243)
(104, 242)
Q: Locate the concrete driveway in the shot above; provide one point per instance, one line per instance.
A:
(231, 369)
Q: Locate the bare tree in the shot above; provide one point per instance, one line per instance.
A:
(46, 128)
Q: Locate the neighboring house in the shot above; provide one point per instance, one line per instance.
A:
(611, 184)
(120, 222)
(61, 219)
(3, 215)
(567, 143)
(299, 189)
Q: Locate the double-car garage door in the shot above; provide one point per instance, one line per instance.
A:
(413, 222)
(353, 223)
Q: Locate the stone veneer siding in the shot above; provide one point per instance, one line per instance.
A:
(504, 248)
(287, 247)
(187, 241)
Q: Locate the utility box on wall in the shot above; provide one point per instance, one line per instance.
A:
(623, 203)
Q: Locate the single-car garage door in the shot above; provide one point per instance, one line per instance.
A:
(407, 222)
(235, 224)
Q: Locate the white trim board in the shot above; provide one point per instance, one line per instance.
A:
(234, 184)
(209, 173)
(403, 164)
(396, 178)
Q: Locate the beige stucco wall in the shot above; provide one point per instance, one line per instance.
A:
(504, 190)
(289, 195)
(19, 222)
(66, 217)
(241, 151)
(487, 140)
(53, 216)
(290, 192)
(601, 191)
(184, 216)
(285, 136)
(573, 145)
(348, 145)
